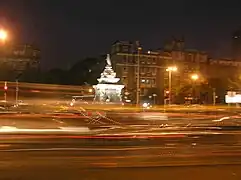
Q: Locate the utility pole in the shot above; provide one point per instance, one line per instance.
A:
(138, 77)
(170, 69)
(5, 92)
(154, 98)
(214, 96)
(17, 89)
(170, 86)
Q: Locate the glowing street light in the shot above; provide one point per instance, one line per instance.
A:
(3, 35)
(194, 77)
(90, 90)
(170, 70)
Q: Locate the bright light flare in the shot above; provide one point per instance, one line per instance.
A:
(145, 105)
(172, 68)
(3, 35)
(194, 77)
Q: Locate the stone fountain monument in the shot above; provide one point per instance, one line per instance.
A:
(108, 90)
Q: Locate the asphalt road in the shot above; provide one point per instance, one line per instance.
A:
(119, 145)
(58, 172)
(48, 156)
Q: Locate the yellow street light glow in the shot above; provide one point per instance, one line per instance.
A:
(194, 77)
(172, 68)
(3, 35)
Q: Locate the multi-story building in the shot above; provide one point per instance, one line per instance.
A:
(17, 59)
(152, 65)
(188, 62)
(154, 78)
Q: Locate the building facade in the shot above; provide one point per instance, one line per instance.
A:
(17, 59)
(154, 79)
(152, 66)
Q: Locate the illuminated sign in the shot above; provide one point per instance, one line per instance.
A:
(232, 97)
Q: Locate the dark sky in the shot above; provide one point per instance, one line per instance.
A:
(68, 30)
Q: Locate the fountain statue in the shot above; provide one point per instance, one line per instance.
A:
(108, 90)
(108, 60)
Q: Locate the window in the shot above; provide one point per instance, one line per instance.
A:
(124, 60)
(135, 59)
(125, 49)
(148, 60)
(154, 61)
(142, 91)
(166, 82)
(145, 91)
(142, 70)
(190, 57)
(142, 61)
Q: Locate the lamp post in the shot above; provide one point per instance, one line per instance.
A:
(154, 98)
(138, 78)
(3, 37)
(214, 96)
(194, 78)
(17, 88)
(5, 92)
(170, 70)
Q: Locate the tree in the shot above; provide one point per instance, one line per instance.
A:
(55, 76)
(86, 71)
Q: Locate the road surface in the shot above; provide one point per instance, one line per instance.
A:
(49, 156)
(119, 145)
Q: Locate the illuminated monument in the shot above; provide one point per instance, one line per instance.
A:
(108, 89)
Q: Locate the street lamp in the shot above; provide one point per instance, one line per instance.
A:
(90, 90)
(3, 35)
(138, 77)
(154, 97)
(194, 77)
(170, 70)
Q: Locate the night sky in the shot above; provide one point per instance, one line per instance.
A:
(68, 30)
